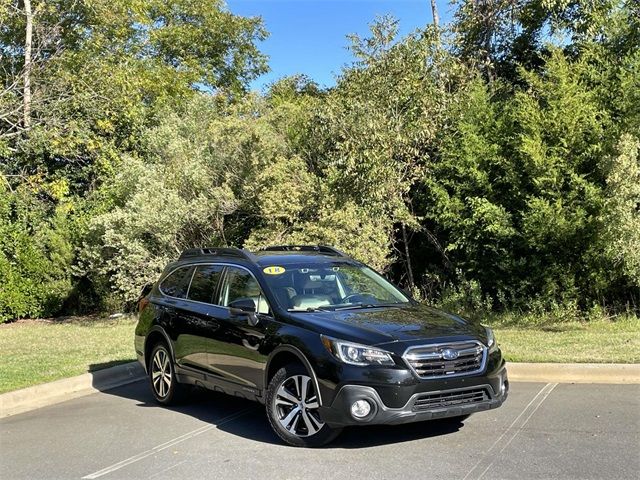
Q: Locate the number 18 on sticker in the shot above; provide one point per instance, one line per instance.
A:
(273, 270)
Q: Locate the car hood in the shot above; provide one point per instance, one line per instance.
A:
(412, 323)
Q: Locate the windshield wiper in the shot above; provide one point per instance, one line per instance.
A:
(368, 305)
(333, 308)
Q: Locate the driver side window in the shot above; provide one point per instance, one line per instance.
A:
(240, 284)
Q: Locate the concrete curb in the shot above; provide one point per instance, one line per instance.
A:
(32, 398)
(620, 373)
(38, 396)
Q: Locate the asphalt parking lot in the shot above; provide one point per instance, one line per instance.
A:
(567, 431)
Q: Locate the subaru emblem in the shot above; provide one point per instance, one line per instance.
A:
(449, 354)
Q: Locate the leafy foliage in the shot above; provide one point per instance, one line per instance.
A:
(490, 165)
(35, 252)
(100, 70)
(622, 208)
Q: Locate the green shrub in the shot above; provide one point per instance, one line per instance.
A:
(35, 255)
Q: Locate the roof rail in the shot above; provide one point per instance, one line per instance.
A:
(226, 251)
(305, 248)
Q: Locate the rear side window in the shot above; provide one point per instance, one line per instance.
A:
(177, 283)
(204, 283)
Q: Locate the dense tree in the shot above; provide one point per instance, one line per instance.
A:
(622, 208)
(493, 162)
(36, 249)
(98, 68)
(500, 35)
(82, 81)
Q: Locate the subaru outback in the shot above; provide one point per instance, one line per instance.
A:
(322, 340)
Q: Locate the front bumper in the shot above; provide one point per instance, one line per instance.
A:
(425, 405)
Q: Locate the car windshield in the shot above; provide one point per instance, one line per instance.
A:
(334, 286)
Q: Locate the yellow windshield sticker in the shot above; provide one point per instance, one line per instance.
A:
(273, 270)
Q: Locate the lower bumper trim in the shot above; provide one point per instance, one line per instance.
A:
(454, 403)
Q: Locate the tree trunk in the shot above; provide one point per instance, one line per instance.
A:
(434, 241)
(26, 121)
(434, 12)
(408, 257)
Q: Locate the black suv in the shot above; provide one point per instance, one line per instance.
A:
(319, 338)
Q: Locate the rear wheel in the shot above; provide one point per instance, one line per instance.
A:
(162, 377)
(293, 409)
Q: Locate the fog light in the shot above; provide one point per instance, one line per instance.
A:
(360, 408)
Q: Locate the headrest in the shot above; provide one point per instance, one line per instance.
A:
(311, 284)
(252, 289)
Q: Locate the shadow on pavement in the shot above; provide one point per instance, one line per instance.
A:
(94, 367)
(217, 408)
(375, 435)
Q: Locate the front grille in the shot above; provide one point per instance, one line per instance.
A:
(431, 401)
(444, 360)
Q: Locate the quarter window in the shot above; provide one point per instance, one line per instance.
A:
(177, 283)
(204, 283)
(240, 284)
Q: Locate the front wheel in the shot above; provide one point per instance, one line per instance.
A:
(293, 409)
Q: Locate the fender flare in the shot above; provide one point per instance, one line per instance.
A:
(303, 359)
(161, 331)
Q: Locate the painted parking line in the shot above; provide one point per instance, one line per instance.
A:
(168, 444)
(493, 453)
(164, 471)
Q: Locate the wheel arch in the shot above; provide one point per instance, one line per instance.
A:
(284, 355)
(156, 335)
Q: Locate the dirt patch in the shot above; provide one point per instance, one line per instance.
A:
(23, 322)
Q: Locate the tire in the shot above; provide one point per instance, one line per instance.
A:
(162, 376)
(297, 424)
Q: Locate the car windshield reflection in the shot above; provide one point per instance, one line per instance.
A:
(335, 286)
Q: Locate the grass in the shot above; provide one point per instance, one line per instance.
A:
(38, 351)
(594, 341)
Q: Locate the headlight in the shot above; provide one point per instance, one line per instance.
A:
(356, 354)
(491, 340)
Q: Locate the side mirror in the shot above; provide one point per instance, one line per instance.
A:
(244, 304)
(244, 307)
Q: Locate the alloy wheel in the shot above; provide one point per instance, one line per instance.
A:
(296, 406)
(161, 373)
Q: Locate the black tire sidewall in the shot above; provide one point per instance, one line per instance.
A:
(322, 437)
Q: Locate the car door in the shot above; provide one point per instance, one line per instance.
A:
(237, 354)
(194, 320)
(172, 305)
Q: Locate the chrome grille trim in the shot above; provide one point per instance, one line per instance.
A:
(427, 361)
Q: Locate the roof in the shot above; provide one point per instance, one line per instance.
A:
(281, 254)
(266, 258)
